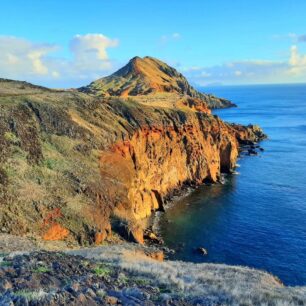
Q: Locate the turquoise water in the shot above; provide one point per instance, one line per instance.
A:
(258, 218)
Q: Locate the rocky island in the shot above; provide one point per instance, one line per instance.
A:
(86, 166)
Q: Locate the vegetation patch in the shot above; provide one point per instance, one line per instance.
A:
(5, 263)
(102, 271)
(41, 269)
(11, 137)
(164, 289)
(142, 281)
(31, 295)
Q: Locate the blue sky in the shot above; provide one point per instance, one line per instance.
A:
(70, 43)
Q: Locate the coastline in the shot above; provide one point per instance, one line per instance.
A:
(171, 200)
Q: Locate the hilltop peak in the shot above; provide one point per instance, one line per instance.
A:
(149, 76)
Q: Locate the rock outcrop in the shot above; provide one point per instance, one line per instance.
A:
(175, 149)
(147, 77)
(70, 162)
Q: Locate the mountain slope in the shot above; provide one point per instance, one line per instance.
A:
(69, 160)
(147, 77)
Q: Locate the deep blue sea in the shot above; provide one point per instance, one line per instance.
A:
(258, 218)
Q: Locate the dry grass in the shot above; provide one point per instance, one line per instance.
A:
(35, 295)
(216, 284)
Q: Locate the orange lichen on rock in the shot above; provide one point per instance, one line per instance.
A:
(53, 230)
(56, 232)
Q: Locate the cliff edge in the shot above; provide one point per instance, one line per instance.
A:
(72, 162)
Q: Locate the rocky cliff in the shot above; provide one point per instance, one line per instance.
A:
(71, 162)
(171, 150)
(147, 77)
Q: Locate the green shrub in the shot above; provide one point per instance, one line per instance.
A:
(102, 271)
(5, 264)
(41, 269)
(11, 137)
(142, 281)
(50, 163)
(123, 279)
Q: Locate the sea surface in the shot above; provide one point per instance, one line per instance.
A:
(258, 217)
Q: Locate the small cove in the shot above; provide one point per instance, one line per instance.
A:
(257, 218)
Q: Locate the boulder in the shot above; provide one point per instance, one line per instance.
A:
(152, 237)
(202, 251)
(252, 152)
(132, 232)
(156, 255)
(111, 300)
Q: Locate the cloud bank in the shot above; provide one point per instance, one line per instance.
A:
(252, 71)
(24, 60)
(88, 59)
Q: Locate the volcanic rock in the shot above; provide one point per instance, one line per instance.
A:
(149, 78)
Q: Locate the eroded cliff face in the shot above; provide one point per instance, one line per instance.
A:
(70, 162)
(157, 159)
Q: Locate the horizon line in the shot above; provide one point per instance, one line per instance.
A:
(192, 84)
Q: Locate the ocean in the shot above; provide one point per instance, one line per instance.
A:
(258, 217)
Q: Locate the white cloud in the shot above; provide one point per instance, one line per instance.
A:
(19, 57)
(89, 59)
(90, 54)
(84, 45)
(252, 71)
(297, 62)
(168, 38)
(23, 59)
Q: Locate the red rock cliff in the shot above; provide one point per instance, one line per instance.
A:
(69, 161)
(162, 156)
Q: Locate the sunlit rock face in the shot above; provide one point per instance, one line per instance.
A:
(71, 161)
(159, 158)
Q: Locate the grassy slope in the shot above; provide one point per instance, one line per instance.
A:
(213, 284)
(50, 143)
(49, 157)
